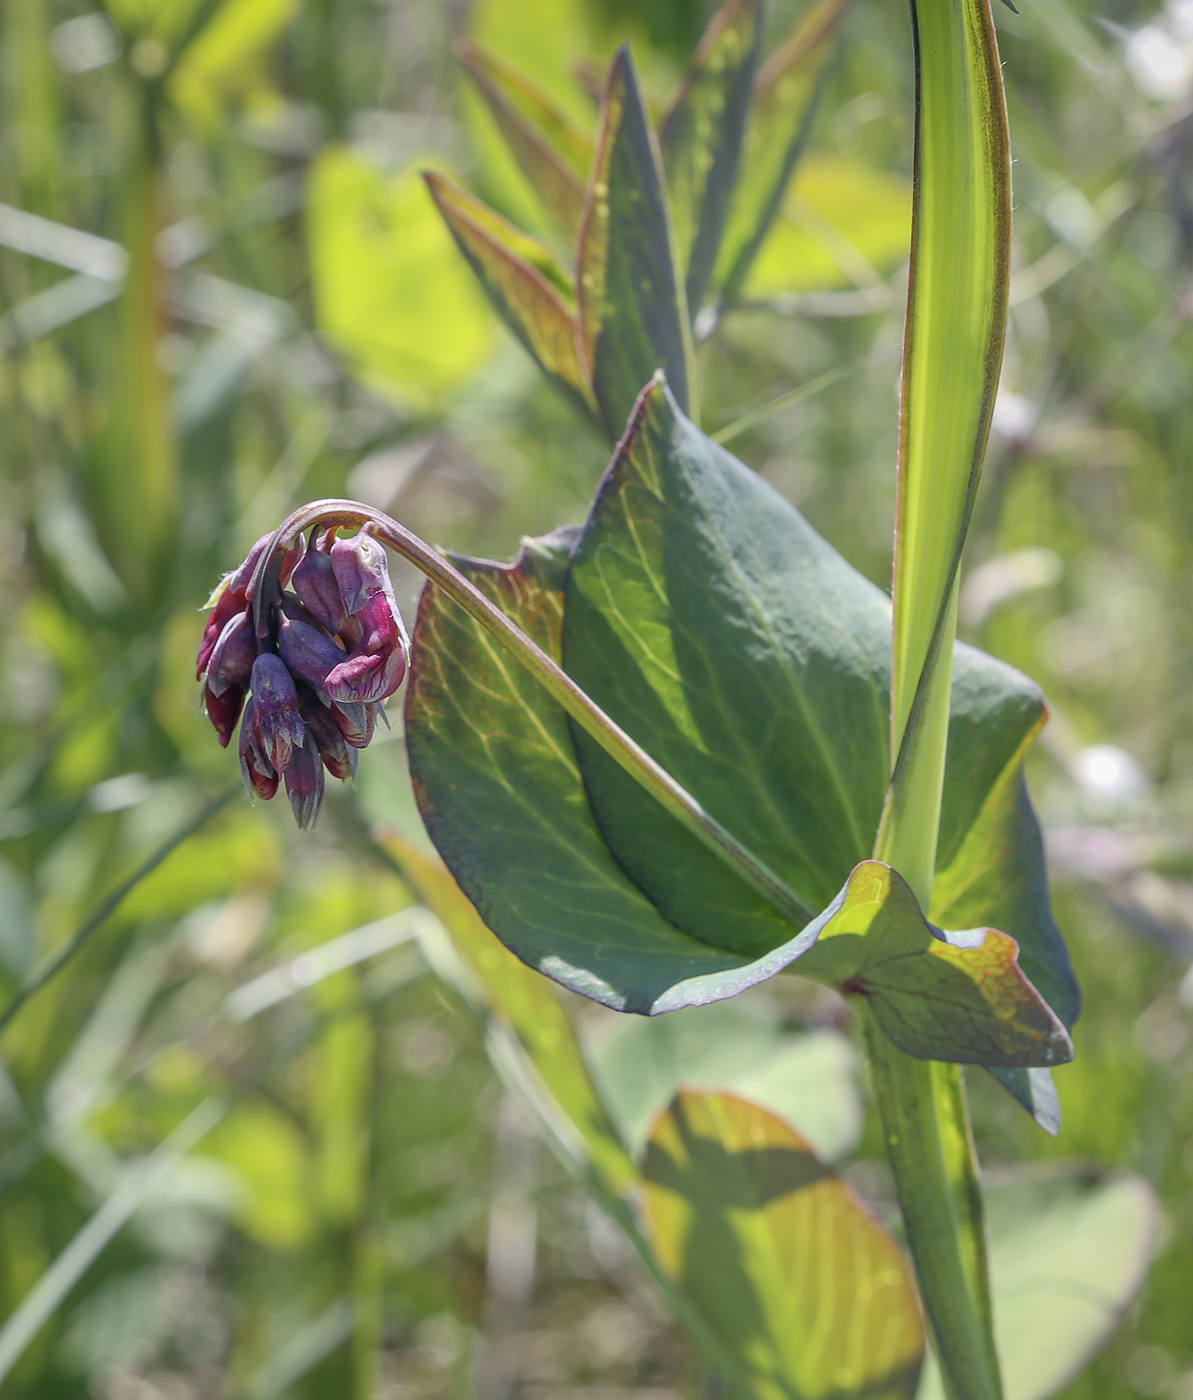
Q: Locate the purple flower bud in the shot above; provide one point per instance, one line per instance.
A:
(339, 758)
(360, 569)
(224, 710)
(308, 654)
(259, 775)
(225, 607)
(355, 722)
(375, 667)
(304, 783)
(280, 729)
(232, 657)
(314, 580)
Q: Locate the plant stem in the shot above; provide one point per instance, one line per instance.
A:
(926, 1127)
(557, 683)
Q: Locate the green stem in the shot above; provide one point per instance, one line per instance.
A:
(674, 798)
(926, 1126)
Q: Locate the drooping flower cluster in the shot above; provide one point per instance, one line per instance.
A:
(308, 692)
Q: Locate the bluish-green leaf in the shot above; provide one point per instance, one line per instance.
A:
(633, 314)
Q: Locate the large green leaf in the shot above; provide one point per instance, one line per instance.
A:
(701, 137)
(497, 783)
(783, 1263)
(785, 103)
(808, 1080)
(552, 150)
(633, 315)
(1068, 1253)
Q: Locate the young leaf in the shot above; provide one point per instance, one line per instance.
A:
(528, 1003)
(701, 137)
(633, 315)
(785, 101)
(496, 779)
(960, 997)
(554, 153)
(1068, 1253)
(784, 1264)
(523, 281)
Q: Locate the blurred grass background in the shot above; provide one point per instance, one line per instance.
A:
(224, 291)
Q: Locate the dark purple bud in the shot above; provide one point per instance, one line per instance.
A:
(224, 710)
(339, 758)
(304, 783)
(308, 654)
(233, 655)
(360, 569)
(259, 774)
(355, 722)
(314, 580)
(280, 730)
(375, 667)
(224, 607)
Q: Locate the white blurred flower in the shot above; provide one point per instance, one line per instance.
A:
(1160, 55)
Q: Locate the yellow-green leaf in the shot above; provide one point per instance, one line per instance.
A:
(784, 1264)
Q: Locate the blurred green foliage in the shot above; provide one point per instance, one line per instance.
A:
(225, 291)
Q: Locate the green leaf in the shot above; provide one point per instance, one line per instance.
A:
(701, 137)
(633, 315)
(497, 783)
(785, 101)
(1068, 1253)
(809, 1080)
(786, 1267)
(553, 152)
(523, 281)
(939, 995)
(527, 1003)
(390, 290)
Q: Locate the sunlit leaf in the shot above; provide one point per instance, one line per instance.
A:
(226, 59)
(786, 95)
(524, 283)
(528, 1003)
(701, 138)
(1068, 1254)
(553, 151)
(632, 313)
(782, 1261)
(391, 291)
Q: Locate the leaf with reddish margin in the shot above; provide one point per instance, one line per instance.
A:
(553, 152)
(701, 137)
(633, 316)
(524, 282)
(781, 1260)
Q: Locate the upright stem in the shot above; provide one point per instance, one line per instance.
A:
(557, 683)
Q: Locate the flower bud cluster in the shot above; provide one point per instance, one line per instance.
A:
(307, 693)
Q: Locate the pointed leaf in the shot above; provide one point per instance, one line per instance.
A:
(633, 315)
(785, 1265)
(701, 137)
(939, 995)
(1068, 1254)
(553, 152)
(497, 783)
(786, 96)
(528, 1003)
(524, 282)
